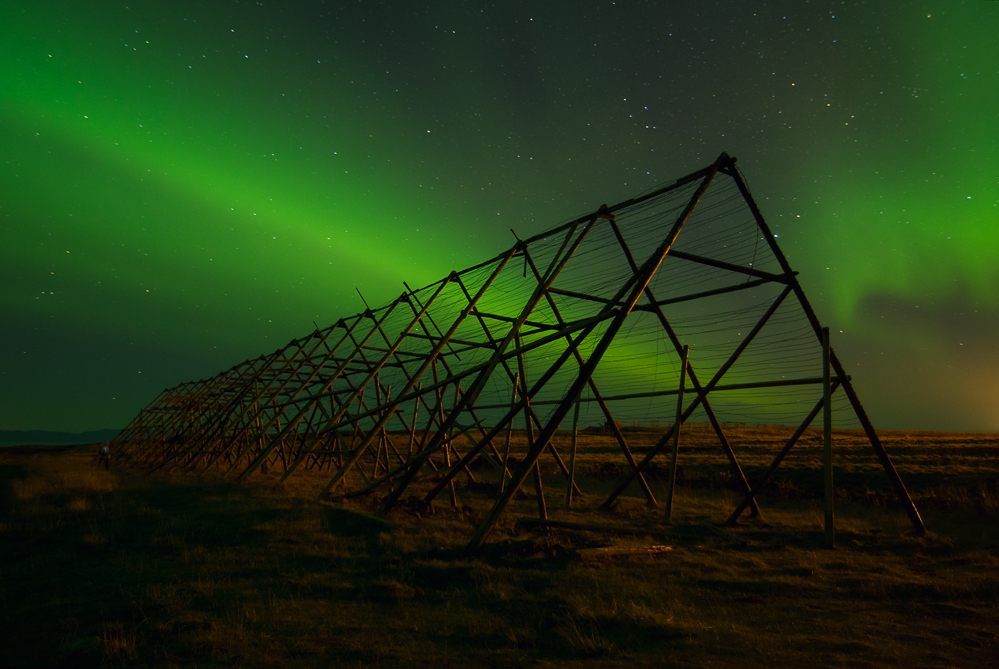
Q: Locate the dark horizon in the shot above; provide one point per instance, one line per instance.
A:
(55, 438)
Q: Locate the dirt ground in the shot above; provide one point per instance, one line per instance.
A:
(121, 568)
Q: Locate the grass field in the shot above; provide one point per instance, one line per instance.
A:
(123, 569)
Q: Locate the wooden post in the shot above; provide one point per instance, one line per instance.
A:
(676, 435)
(539, 489)
(384, 435)
(448, 447)
(509, 433)
(572, 455)
(827, 471)
(416, 413)
(381, 442)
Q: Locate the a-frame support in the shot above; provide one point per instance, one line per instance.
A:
(441, 362)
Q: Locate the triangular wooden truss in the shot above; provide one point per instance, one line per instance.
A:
(593, 313)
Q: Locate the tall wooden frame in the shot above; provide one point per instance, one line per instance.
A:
(438, 363)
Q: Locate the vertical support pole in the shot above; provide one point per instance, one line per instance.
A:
(572, 454)
(539, 489)
(447, 445)
(277, 419)
(827, 471)
(447, 463)
(391, 410)
(676, 435)
(380, 441)
(509, 433)
(383, 437)
(416, 413)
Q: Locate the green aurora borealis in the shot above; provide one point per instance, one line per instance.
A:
(186, 185)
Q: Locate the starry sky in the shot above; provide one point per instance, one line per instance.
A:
(186, 185)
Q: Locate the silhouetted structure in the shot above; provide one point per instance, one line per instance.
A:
(589, 319)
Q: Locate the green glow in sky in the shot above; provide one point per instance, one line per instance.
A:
(927, 201)
(187, 185)
(178, 189)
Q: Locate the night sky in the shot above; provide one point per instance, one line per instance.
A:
(185, 185)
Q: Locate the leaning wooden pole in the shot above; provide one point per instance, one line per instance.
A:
(762, 481)
(671, 484)
(572, 455)
(509, 434)
(702, 392)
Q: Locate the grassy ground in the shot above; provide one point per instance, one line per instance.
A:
(118, 569)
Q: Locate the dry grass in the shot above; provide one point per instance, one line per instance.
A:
(119, 569)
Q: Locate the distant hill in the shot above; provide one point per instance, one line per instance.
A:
(47, 438)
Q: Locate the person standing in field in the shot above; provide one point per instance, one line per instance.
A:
(104, 461)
